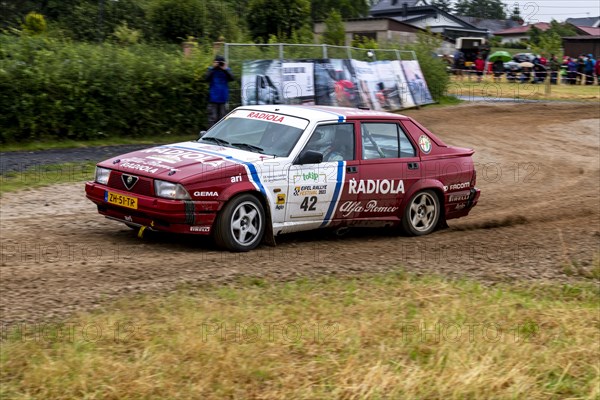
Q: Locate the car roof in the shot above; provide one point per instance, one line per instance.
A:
(325, 112)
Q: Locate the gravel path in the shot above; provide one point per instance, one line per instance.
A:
(537, 219)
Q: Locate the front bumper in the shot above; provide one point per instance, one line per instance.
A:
(176, 216)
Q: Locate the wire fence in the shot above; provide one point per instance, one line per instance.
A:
(237, 53)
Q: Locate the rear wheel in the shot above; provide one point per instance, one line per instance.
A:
(240, 226)
(421, 214)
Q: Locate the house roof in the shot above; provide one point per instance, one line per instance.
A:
(493, 25)
(389, 5)
(521, 30)
(589, 30)
(590, 21)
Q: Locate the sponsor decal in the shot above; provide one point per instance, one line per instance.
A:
(281, 198)
(202, 228)
(177, 155)
(425, 144)
(139, 167)
(128, 218)
(129, 181)
(310, 176)
(379, 186)
(458, 197)
(350, 207)
(266, 116)
(310, 190)
(275, 178)
(457, 186)
(460, 206)
(206, 194)
(235, 179)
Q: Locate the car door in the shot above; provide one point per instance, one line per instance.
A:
(389, 166)
(317, 190)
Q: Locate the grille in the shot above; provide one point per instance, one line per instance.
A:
(143, 185)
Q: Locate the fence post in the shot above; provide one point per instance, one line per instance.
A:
(324, 50)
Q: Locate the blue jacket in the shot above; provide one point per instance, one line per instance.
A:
(218, 79)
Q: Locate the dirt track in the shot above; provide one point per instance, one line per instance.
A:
(538, 168)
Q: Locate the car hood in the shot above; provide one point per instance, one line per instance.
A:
(175, 162)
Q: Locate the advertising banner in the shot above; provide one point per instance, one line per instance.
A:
(416, 82)
(378, 85)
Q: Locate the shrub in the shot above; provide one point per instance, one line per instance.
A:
(50, 89)
(434, 69)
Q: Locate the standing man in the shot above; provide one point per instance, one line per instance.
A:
(218, 77)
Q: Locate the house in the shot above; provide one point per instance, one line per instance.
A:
(421, 15)
(380, 29)
(491, 25)
(587, 30)
(593, 22)
(516, 34)
(576, 45)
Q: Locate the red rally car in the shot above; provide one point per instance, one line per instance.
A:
(264, 171)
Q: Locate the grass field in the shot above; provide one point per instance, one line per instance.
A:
(44, 175)
(379, 337)
(492, 90)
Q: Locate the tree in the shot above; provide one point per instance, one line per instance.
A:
(488, 9)
(277, 17)
(444, 5)
(535, 34)
(549, 43)
(35, 24)
(516, 14)
(175, 20)
(335, 32)
(320, 9)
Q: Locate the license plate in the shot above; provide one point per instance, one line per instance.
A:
(121, 200)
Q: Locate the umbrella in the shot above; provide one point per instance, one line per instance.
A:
(500, 55)
(526, 64)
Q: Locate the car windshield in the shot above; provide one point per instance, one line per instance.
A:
(256, 134)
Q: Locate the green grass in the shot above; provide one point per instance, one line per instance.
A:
(67, 144)
(373, 337)
(45, 175)
(490, 89)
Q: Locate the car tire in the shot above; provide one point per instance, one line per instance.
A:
(421, 214)
(240, 226)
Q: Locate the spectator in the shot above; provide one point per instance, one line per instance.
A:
(572, 71)
(525, 75)
(590, 64)
(598, 71)
(479, 67)
(580, 69)
(218, 76)
(498, 68)
(554, 68)
(459, 64)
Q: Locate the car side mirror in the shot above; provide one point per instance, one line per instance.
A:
(309, 157)
(202, 133)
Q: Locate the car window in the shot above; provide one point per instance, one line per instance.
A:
(265, 137)
(334, 141)
(406, 147)
(379, 140)
(385, 140)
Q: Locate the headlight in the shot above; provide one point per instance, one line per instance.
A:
(102, 175)
(170, 190)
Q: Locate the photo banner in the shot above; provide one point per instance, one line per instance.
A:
(377, 85)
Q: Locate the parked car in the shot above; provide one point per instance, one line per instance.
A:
(263, 171)
(524, 57)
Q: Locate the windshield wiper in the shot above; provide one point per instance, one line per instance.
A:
(216, 140)
(250, 147)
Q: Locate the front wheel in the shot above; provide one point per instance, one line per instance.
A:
(421, 214)
(240, 226)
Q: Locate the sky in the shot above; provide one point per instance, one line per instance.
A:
(533, 11)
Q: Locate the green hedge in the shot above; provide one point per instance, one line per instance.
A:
(52, 89)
